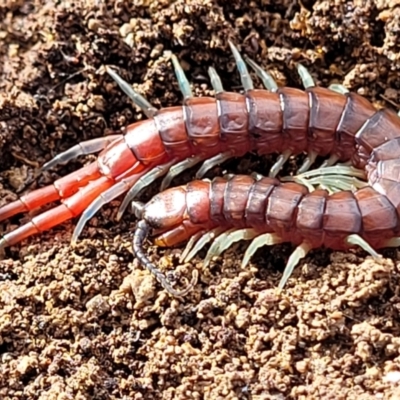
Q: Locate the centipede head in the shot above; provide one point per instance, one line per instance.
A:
(164, 211)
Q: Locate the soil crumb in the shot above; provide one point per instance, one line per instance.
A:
(87, 322)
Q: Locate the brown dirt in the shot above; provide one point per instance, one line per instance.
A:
(88, 322)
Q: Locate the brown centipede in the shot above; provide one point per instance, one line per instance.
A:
(289, 121)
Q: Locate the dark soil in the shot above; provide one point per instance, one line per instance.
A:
(88, 322)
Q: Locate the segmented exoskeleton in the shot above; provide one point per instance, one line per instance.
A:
(288, 121)
(266, 211)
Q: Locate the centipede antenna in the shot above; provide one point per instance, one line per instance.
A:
(183, 82)
(215, 80)
(84, 148)
(266, 239)
(338, 88)
(305, 76)
(309, 160)
(267, 79)
(145, 180)
(178, 168)
(205, 238)
(141, 232)
(333, 159)
(357, 240)
(213, 162)
(148, 109)
(241, 66)
(109, 195)
(300, 252)
(279, 163)
(214, 248)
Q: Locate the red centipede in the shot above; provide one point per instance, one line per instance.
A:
(266, 211)
(319, 121)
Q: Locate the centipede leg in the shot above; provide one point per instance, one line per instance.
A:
(228, 176)
(241, 234)
(305, 76)
(141, 183)
(266, 239)
(215, 80)
(225, 240)
(300, 252)
(338, 88)
(178, 234)
(178, 168)
(333, 178)
(61, 188)
(183, 82)
(205, 238)
(71, 207)
(309, 160)
(84, 148)
(109, 195)
(265, 76)
(213, 162)
(148, 109)
(332, 160)
(242, 68)
(190, 245)
(279, 163)
(256, 176)
(357, 240)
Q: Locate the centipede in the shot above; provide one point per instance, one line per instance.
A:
(266, 211)
(330, 122)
